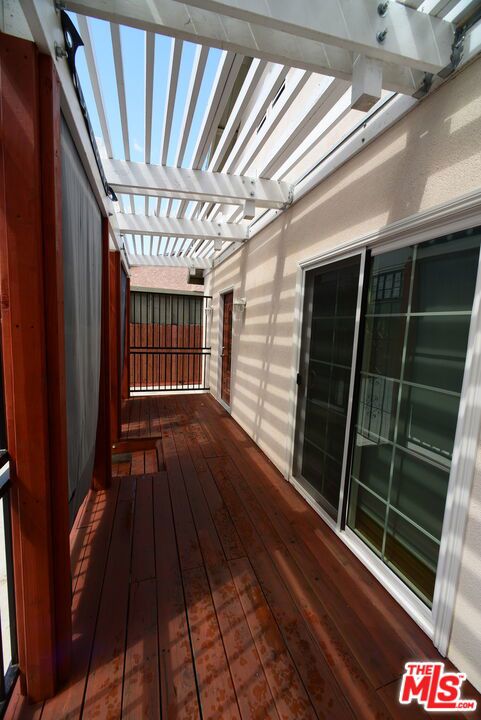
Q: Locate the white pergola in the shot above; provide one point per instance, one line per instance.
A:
(298, 89)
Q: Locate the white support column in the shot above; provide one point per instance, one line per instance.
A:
(249, 211)
(366, 83)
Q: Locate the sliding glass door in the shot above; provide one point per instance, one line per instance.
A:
(409, 339)
(415, 339)
(331, 298)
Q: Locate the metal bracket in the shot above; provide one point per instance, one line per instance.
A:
(290, 198)
(457, 49)
(60, 52)
(382, 8)
(73, 41)
(425, 86)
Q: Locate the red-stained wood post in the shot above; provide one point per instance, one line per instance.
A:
(29, 238)
(103, 446)
(115, 387)
(51, 184)
(126, 369)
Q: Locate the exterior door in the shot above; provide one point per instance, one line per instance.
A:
(329, 321)
(226, 353)
(415, 340)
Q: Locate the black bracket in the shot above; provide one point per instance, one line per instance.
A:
(457, 49)
(72, 42)
(425, 86)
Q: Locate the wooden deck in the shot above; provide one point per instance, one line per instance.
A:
(204, 586)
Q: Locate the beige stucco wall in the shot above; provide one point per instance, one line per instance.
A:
(431, 156)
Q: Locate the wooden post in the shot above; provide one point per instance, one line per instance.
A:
(51, 180)
(103, 448)
(115, 388)
(126, 370)
(24, 335)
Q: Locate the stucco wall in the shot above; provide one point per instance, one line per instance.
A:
(431, 156)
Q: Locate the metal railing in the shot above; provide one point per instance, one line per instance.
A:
(8, 625)
(169, 347)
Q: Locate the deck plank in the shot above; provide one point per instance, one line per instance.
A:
(141, 696)
(104, 687)
(151, 464)
(217, 694)
(380, 662)
(137, 466)
(361, 607)
(178, 683)
(188, 544)
(205, 586)
(332, 642)
(67, 704)
(314, 669)
(287, 688)
(143, 560)
(341, 627)
(251, 687)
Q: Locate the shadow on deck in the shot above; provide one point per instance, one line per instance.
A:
(204, 586)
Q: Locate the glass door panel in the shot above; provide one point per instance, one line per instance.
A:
(415, 340)
(329, 319)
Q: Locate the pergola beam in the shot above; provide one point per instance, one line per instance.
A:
(413, 38)
(201, 185)
(168, 261)
(137, 224)
(209, 28)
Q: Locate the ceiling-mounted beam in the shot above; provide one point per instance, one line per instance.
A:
(168, 261)
(180, 227)
(204, 186)
(176, 19)
(412, 38)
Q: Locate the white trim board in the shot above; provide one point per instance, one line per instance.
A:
(220, 329)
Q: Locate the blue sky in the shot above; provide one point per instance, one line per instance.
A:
(133, 53)
(133, 43)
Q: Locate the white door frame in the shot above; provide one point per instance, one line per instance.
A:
(220, 334)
